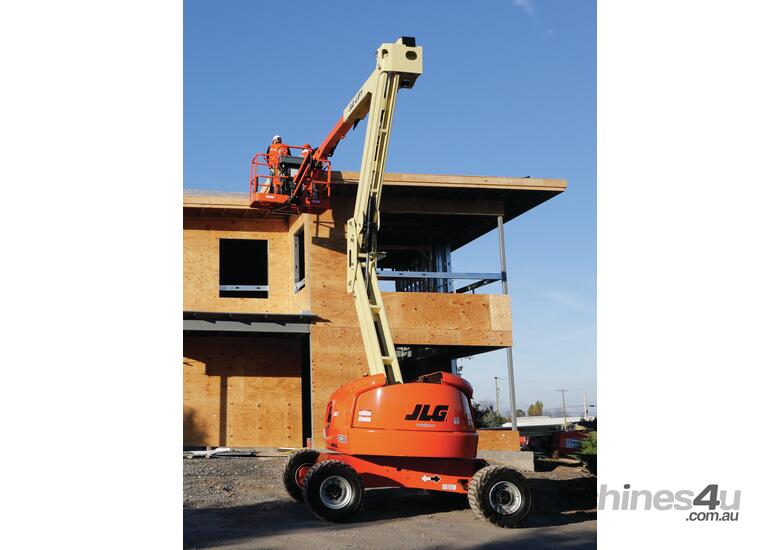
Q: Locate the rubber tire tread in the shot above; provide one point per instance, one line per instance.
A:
(484, 478)
(322, 512)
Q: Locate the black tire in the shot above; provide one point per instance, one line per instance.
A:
(333, 491)
(500, 495)
(297, 460)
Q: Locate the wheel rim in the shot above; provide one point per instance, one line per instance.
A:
(300, 473)
(505, 498)
(335, 492)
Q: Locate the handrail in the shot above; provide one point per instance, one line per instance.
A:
(311, 184)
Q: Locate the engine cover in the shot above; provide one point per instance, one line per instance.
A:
(427, 418)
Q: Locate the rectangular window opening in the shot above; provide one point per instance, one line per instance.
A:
(299, 259)
(414, 245)
(243, 268)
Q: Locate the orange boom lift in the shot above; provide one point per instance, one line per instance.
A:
(379, 430)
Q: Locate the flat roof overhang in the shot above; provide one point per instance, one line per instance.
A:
(204, 321)
(462, 207)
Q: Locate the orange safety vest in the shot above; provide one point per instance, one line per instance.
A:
(275, 150)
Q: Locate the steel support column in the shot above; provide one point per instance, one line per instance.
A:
(505, 289)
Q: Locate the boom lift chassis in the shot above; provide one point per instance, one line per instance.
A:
(380, 431)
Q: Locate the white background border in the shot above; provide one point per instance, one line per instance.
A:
(91, 294)
(688, 273)
(91, 122)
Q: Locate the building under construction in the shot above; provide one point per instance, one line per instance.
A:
(270, 330)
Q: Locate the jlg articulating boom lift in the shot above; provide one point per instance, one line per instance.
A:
(380, 431)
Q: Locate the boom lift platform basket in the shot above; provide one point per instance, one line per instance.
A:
(291, 184)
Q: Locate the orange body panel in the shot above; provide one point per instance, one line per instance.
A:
(428, 418)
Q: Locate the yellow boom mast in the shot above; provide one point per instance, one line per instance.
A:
(397, 66)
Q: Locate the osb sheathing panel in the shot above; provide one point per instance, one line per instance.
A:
(242, 392)
(337, 357)
(498, 440)
(450, 319)
(201, 265)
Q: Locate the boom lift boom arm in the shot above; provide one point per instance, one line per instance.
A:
(398, 66)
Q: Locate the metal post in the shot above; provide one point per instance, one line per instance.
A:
(497, 409)
(505, 288)
(565, 419)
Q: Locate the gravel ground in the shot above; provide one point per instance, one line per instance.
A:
(241, 503)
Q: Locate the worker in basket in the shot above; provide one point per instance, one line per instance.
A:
(307, 150)
(275, 151)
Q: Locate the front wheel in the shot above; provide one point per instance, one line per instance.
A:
(333, 491)
(500, 495)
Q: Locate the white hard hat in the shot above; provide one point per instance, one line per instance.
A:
(277, 136)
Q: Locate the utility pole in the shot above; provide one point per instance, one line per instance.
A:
(497, 391)
(563, 398)
(505, 290)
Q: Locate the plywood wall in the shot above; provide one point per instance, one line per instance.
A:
(449, 319)
(242, 391)
(201, 265)
(337, 354)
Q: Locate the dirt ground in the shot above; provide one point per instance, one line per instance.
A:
(241, 503)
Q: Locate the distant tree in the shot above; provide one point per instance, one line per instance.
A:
(535, 409)
(519, 412)
(486, 417)
(589, 445)
(588, 452)
(479, 411)
(493, 420)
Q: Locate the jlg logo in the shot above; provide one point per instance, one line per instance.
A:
(422, 412)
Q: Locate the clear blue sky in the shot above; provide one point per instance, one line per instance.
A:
(508, 89)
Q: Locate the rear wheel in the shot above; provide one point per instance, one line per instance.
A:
(500, 495)
(295, 470)
(333, 491)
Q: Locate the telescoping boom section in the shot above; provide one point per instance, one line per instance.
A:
(398, 66)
